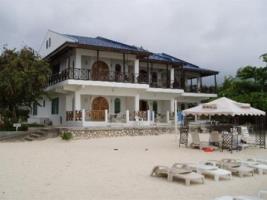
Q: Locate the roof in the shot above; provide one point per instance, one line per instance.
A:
(224, 106)
(104, 42)
(163, 57)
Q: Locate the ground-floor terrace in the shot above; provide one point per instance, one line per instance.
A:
(94, 106)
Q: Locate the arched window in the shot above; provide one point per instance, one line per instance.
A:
(117, 105)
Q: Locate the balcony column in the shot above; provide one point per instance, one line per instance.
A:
(136, 70)
(172, 77)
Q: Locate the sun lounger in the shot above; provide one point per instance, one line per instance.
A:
(210, 168)
(236, 167)
(179, 171)
(261, 196)
(182, 171)
(260, 168)
(196, 143)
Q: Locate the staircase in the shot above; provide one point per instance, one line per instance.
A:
(41, 134)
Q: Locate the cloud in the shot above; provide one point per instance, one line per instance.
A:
(217, 34)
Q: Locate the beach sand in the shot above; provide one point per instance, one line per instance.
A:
(91, 169)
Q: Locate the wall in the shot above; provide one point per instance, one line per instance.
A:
(57, 40)
(116, 132)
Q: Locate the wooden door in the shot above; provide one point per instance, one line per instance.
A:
(100, 71)
(99, 105)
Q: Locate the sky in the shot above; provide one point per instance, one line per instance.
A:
(216, 34)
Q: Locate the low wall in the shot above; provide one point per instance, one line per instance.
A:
(116, 132)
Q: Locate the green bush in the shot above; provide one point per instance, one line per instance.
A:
(66, 135)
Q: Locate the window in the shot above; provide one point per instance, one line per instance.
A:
(117, 105)
(34, 109)
(43, 103)
(49, 42)
(54, 107)
(46, 45)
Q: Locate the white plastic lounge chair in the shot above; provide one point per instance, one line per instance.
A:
(196, 143)
(261, 196)
(215, 138)
(182, 171)
(236, 167)
(160, 171)
(260, 168)
(210, 168)
(179, 171)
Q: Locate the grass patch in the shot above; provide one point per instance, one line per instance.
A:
(66, 135)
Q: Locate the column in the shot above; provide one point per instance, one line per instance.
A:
(136, 103)
(106, 116)
(198, 84)
(136, 69)
(167, 116)
(77, 101)
(172, 77)
(172, 105)
(175, 115)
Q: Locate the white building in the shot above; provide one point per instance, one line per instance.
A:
(100, 82)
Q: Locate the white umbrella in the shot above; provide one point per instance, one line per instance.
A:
(224, 106)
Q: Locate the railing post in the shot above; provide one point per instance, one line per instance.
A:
(106, 116)
(167, 116)
(127, 116)
(153, 116)
(148, 115)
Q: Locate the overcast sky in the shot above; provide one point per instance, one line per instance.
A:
(217, 34)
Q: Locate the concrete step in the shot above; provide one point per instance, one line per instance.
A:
(28, 139)
(35, 135)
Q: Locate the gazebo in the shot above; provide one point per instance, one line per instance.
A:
(230, 108)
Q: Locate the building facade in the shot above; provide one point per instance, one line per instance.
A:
(101, 82)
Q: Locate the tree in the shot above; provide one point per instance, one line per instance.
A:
(23, 76)
(249, 86)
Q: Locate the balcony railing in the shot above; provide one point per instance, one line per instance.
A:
(202, 89)
(86, 74)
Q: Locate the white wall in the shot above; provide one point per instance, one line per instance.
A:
(57, 40)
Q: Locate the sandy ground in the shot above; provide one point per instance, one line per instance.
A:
(91, 169)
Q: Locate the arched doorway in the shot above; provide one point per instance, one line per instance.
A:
(118, 74)
(99, 105)
(100, 71)
(143, 105)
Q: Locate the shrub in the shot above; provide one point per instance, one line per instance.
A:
(66, 135)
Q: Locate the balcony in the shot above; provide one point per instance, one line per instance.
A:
(113, 76)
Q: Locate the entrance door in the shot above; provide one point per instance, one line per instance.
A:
(99, 105)
(100, 71)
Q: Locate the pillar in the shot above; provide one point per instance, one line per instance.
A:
(172, 77)
(198, 84)
(136, 102)
(167, 116)
(83, 117)
(77, 101)
(136, 69)
(172, 105)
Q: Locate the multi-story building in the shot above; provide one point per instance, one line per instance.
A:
(101, 82)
